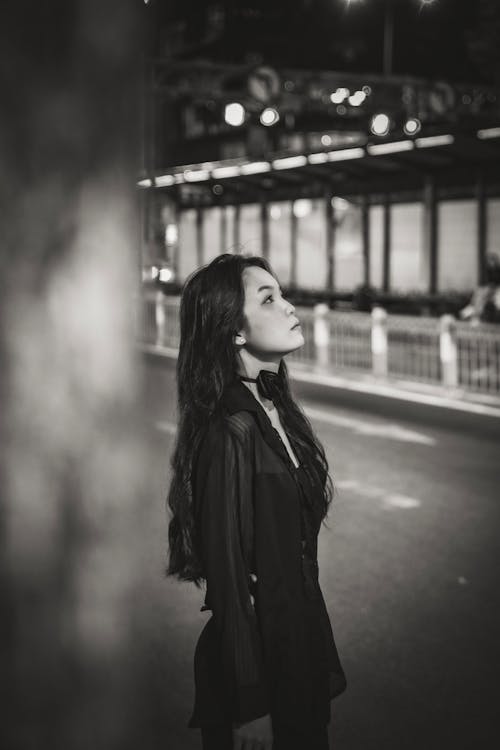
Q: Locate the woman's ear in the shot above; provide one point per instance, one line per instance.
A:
(239, 339)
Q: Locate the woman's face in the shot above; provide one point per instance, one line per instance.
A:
(269, 317)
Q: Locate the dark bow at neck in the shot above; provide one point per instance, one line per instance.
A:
(269, 384)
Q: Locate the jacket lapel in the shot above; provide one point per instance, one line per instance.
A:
(237, 397)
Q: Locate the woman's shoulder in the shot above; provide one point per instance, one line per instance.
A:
(241, 425)
(226, 440)
(228, 432)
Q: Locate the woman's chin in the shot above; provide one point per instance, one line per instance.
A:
(298, 340)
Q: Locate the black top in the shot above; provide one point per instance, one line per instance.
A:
(269, 646)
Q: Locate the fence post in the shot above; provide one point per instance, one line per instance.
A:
(448, 351)
(379, 341)
(160, 318)
(321, 333)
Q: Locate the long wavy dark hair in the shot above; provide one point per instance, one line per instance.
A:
(211, 312)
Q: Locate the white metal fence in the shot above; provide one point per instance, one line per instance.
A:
(430, 350)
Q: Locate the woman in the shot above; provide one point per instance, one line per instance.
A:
(249, 491)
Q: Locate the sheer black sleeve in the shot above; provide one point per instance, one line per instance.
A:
(223, 497)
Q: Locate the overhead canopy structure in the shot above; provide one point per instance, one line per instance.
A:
(452, 161)
(322, 140)
(322, 146)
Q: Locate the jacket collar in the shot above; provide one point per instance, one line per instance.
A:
(237, 397)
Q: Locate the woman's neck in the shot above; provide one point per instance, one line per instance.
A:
(250, 365)
(264, 402)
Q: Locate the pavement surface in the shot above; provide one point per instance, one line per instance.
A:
(408, 568)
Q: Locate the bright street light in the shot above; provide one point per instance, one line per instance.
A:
(380, 124)
(357, 98)
(234, 114)
(339, 95)
(269, 116)
(412, 126)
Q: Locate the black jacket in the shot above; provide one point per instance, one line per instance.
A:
(268, 646)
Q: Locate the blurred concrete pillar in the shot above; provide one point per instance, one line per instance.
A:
(386, 262)
(236, 228)
(175, 246)
(224, 244)
(365, 238)
(293, 246)
(264, 218)
(330, 243)
(482, 228)
(72, 451)
(200, 239)
(430, 233)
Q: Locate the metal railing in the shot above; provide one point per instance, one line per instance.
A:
(428, 350)
(478, 357)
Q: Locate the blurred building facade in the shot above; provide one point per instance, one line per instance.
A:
(340, 178)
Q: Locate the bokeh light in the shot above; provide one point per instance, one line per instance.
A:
(412, 126)
(380, 124)
(356, 99)
(234, 114)
(339, 95)
(302, 207)
(269, 116)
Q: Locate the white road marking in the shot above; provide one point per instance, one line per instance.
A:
(367, 490)
(400, 501)
(388, 430)
(388, 501)
(168, 427)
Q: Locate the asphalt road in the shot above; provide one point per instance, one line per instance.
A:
(408, 568)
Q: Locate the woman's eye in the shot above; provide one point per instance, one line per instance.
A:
(268, 298)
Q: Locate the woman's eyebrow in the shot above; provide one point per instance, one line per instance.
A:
(266, 286)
